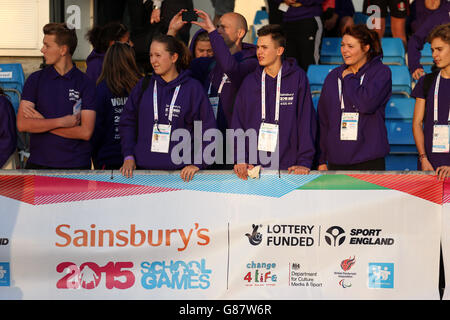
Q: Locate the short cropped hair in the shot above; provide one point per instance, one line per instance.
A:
(63, 35)
(276, 32)
(442, 31)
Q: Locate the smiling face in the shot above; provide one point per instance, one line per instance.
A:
(441, 52)
(352, 51)
(268, 51)
(51, 50)
(162, 61)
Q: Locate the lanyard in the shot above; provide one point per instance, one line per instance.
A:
(263, 96)
(172, 103)
(341, 93)
(224, 79)
(436, 96)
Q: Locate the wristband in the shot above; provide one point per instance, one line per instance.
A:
(422, 156)
(128, 158)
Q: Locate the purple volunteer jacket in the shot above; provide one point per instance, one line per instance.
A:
(236, 67)
(436, 159)
(8, 133)
(369, 98)
(297, 120)
(94, 63)
(308, 9)
(416, 42)
(136, 122)
(54, 96)
(106, 148)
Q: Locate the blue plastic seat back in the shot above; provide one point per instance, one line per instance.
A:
(316, 76)
(393, 51)
(330, 51)
(400, 108)
(426, 57)
(400, 132)
(401, 80)
(401, 162)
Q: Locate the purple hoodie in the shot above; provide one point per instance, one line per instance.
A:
(191, 105)
(369, 98)
(297, 120)
(416, 42)
(308, 9)
(94, 64)
(236, 67)
(8, 133)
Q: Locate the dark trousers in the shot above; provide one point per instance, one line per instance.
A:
(303, 39)
(376, 164)
(33, 166)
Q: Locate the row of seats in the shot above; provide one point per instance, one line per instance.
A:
(393, 52)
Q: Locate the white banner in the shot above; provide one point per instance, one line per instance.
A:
(216, 237)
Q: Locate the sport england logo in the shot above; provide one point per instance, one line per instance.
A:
(381, 275)
(335, 236)
(255, 237)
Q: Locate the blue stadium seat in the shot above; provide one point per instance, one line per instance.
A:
(315, 100)
(393, 51)
(12, 79)
(426, 55)
(401, 162)
(316, 76)
(427, 68)
(400, 108)
(330, 51)
(400, 132)
(401, 80)
(260, 20)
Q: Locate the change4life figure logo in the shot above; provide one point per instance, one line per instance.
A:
(381, 275)
(4, 274)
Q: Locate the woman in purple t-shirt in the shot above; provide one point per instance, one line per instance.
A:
(431, 120)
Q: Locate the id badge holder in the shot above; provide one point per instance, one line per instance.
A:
(77, 107)
(214, 104)
(441, 139)
(161, 138)
(349, 126)
(268, 137)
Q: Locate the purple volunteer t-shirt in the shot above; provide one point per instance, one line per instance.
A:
(54, 96)
(436, 159)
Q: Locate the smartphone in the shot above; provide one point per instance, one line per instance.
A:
(189, 16)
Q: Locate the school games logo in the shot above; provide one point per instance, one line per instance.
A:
(178, 275)
(255, 237)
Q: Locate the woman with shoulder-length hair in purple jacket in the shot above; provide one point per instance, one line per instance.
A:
(352, 104)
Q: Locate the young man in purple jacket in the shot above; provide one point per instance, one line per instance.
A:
(275, 103)
(58, 106)
(416, 42)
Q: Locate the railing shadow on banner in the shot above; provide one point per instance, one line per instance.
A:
(44, 187)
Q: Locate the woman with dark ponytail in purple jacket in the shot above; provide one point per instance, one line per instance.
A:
(352, 104)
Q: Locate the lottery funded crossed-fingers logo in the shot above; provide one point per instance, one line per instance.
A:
(255, 237)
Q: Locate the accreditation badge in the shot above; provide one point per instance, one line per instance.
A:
(161, 138)
(440, 139)
(77, 107)
(349, 126)
(214, 104)
(268, 137)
